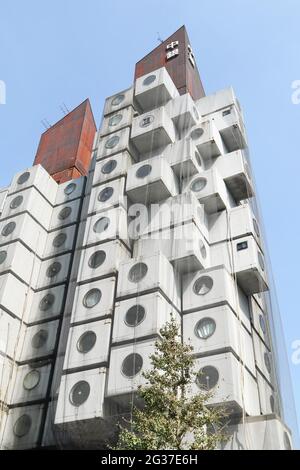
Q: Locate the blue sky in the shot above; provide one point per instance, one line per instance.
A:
(67, 50)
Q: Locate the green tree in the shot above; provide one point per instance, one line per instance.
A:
(171, 416)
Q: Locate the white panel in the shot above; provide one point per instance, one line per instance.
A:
(62, 215)
(207, 139)
(22, 262)
(184, 158)
(112, 167)
(107, 195)
(218, 100)
(3, 194)
(12, 438)
(39, 341)
(13, 303)
(183, 112)
(31, 383)
(116, 121)
(37, 177)
(54, 271)
(59, 241)
(266, 395)
(115, 143)
(230, 124)
(8, 371)
(115, 221)
(154, 89)
(46, 304)
(118, 101)
(263, 357)
(70, 190)
(11, 335)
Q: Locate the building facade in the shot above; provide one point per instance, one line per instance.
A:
(111, 233)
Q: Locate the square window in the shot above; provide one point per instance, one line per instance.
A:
(226, 112)
(242, 246)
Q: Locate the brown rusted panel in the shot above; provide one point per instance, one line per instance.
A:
(66, 175)
(184, 75)
(67, 145)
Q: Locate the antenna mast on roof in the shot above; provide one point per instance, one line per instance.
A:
(159, 38)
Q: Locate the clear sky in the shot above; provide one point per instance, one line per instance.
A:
(62, 51)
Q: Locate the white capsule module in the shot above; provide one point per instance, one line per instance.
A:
(8, 369)
(183, 112)
(46, 304)
(116, 121)
(60, 241)
(115, 143)
(155, 89)
(263, 358)
(65, 214)
(70, 190)
(112, 167)
(54, 271)
(21, 262)
(22, 428)
(268, 399)
(229, 123)
(39, 341)
(12, 335)
(184, 158)
(31, 383)
(15, 304)
(207, 139)
(108, 195)
(118, 101)
(38, 177)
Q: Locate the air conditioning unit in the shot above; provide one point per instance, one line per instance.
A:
(229, 123)
(112, 168)
(141, 316)
(116, 121)
(152, 130)
(183, 112)
(127, 362)
(21, 262)
(183, 245)
(149, 273)
(60, 241)
(121, 100)
(94, 300)
(12, 333)
(70, 190)
(230, 382)
(218, 329)
(16, 303)
(22, 428)
(184, 158)
(207, 139)
(65, 214)
(54, 271)
(31, 383)
(155, 89)
(267, 395)
(88, 344)
(39, 341)
(102, 260)
(29, 200)
(46, 304)
(210, 190)
(263, 358)
(151, 181)
(107, 195)
(235, 171)
(38, 177)
(115, 143)
(107, 226)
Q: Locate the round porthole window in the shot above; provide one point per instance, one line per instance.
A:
(203, 285)
(137, 272)
(22, 426)
(148, 80)
(205, 328)
(23, 178)
(32, 379)
(262, 323)
(117, 99)
(267, 361)
(207, 378)
(261, 260)
(39, 339)
(105, 194)
(197, 133)
(198, 158)
(3, 256)
(65, 213)
(115, 120)
(92, 298)
(287, 442)
(272, 403)
(256, 227)
(86, 342)
(16, 202)
(112, 142)
(97, 259)
(8, 229)
(198, 184)
(101, 225)
(80, 393)
(53, 269)
(202, 249)
(132, 365)
(143, 171)
(108, 167)
(46, 302)
(135, 315)
(59, 240)
(70, 189)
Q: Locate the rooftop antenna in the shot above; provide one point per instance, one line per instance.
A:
(159, 38)
(66, 108)
(45, 123)
(62, 110)
(48, 123)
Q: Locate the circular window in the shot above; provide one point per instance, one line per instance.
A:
(59, 240)
(137, 272)
(143, 171)
(112, 142)
(92, 298)
(46, 302)
(261, 260)
(105, 194)
(108, 167)
(197, 133)
(53, 269)
(132, 365)
(32, 379)
(135, 315)
(115, 120)
(272, 403)
(147, 120)
(207, 378)
(203, 285)
(198, 158)
(23, 178)
(117, 99)
(79, 393)
(256, 227)
(267, 361)
(287, 442)
(97, 259)
(16, 202)
(262, 323)
(8, 229)
(86, 342)
(150, 79)
(22, 426)
(39, 339)
(65, 213)
(101, 225)
(3, 256)
(70, 189)
(196, 114)
(198, 184)
(202, 249)
(205, 328)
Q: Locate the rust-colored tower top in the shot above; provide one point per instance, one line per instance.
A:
(65, 149)
(176, 54)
